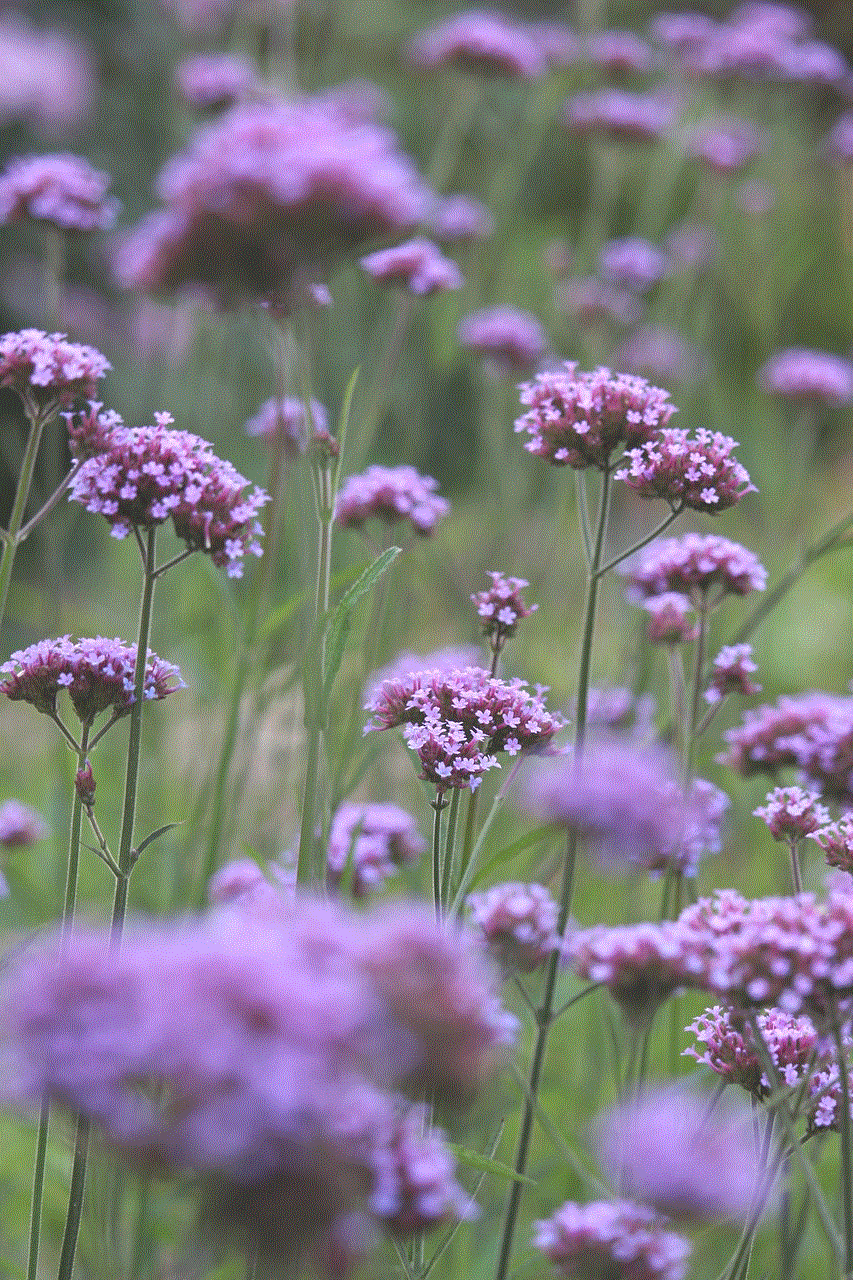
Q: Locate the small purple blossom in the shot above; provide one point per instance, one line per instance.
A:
(694, 565)
(501, 607)
(214, 81)
(619, 114)
(20, 826)
(671, 619)
(90, 430)
(63, 189)
(98, 675)
(46, 370)
(654, 351)
(611, 1238)
(727, 1045)
(815, 376)
(805, 730)
(792, 813)
(725, 146)
(391, 494)
(593, 301)
(461, 219)
(578, 419)
(418, 264)
(286, 418)
(518, 923)
(836, 841)
(641, 965)
(697, 472)
(374, 840)
(512, 341)
(632, 264)
(730, 673)
(152, 474)
(480, 43)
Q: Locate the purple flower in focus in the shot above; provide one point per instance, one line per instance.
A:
(612, 1240)
(641, 965)
(627, 117)
(518, 923)
(452, 658)
(148, 475)
(46, 370)
(593, 301)
(725, 146)
(512, 341)
(214, 81)
(479, 43)
(618, 52)
(62, 189)
(391, 494)
(815, 376)
(90, 430)
(373, 840)
(792, 813)
(20, 826)
(632, 264)
(836, 841)
(501, 607)
(731, 672)
(694, 565)
(578, 419)
(671, 619)
(286, 418)
(417, 264)
(697, 472)
(460, 219)
(670, 1149)
(727, 1046)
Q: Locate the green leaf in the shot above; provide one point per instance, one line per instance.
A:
(534, 837)
(343, 425)
(487, 1165)
(155, 835)
(338, 630)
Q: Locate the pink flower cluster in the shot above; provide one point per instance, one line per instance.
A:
(480, 43)
(148, 475)
(98, 675)
(792, 813)
(578, 419)
(731, 672)
(632, 264)
(518, 923)
(214, 81)
(286, 418)
(620, 114)
(836, 841)
(418, 264)
(512, 341)
(641, 965)
(694, 565)
(460, 218)
(501, 607)
(63, 189)
(372, 840)
(391, 494)
(612, 1238)
(724, 146)
(20, 826)
(817, 376)
(46, 370)
(697, 472)
(671, 618)
(812, 732)
(458, 720)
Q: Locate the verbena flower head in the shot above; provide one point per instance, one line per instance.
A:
(792, 813)
(801, 375)
(269, 195)
(518, 923)
(46, 76)
(618, 52)
(725, 146)
(415, 1188)
(700, 566)
(578, 419)
(594, 301)
(457, 721)
(836, 841)
(286, 418)
(20, 826)
(731, 672)
(671, 619)
(391, 494)
(460, 219)
(633, 264)
(151, 474)
(62, 189)
(620, 114)
(808, 730)
(609, 1239)
(512, 341)
(46, 370)
(90, 430)
(727, 1045)
(501, 607)
(373, 841)
(618, 710)
(214, 81)
(98, 675)
(480, 43)
(559, 42)
(418, 264)
(697, 472)
(670, 1149)
(641, 965)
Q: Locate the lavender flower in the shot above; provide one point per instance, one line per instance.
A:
(671, 1150)
(679, 31)
(671, 619)
(579, 419)
(501, 608)
(694, 565)
(617, 709)
(391, 494)
(618, 52)
(593, 301)
(451, 658)
(46, 370)
(90, 430)
(518, 923)
(417, 264)
(838, 146)
(512, 341)
(62, 189)
(803, 730)
(461, 219)
(632, 264)
(151, 474)
(611, 1238)
(836, 840)
(792, 813)
(97, 673)
(697, 472)
(641, 965)
(479, 43)
(46, 76)
(214, 81)
(725, 146)
(814, 376)
(558, 42)
(624, 116)
(20, 826)
(730, 673)
(415, 1188)
(286, 418)
(374, 840)
(727, 1046)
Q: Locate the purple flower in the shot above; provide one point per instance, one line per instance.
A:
(98, 675)
(694, 565)
(90, 430)
(616, 708)
(46, 370)
(578, 419)
(836, 840)
(654, 351)
(46, 76)
(287, 418)
(373, 840)
(641, 965)
(792, 813)
(678, 31)
(593, 301)
(731, 672)
(518, 923)
(479, 43)
(727, 1046)
(632, 264)
(618, 52)
(391, 494)
(670, 1149)
(815, 376)
(415, 1188)
(417, 264)
(206, 15)
(214, 81)
(452, 658)
(20, 826)
(461, 219)
(501, 607)
(671, 619)
(805, 730)
(512, 341)
(62, 189)
(814, 63)
(725, 146)
(627, 117)
(611, 1238)
(697, 472)
(151, 474)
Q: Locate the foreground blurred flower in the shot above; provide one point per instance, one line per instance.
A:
(62, 189)
(148, 475)
(518, 923)
(47, 371)
(816, 376)
(46, 77)
(612, 1240)
(641, 965)
(390, 494)
(480, 43)
(512, 341)
(372, 841)
(418, 264)
(633, 264)
(697, 472)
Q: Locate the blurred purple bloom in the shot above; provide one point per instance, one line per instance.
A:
(414, 1188)
(579, 419)
(633, 264)
(697, 472)
(618, 52)
(287, 418)
(46, 370)
(518, 923)
(460, 219)
(592, 301)
(214, 81)
(480, 43)
(20, 826)
(725, 146)
(641, 965)
(391, 494)
(816, 376)
(151, 474)
(559, 43)
(839, 143)
(792, 813)
(46, 77)
(671, 618)
(611, 1239)
(731, 672)
(512, 341)
(802, 730)
(417, 264)
(373, 840)
(679, 31)
(615, 708)
(62, 189)
(692, 246)
(694, 565)
(782, 21)
(654, 351)
(628, 117)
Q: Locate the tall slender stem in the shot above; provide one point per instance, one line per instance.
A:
(38, 421)
(438, 805)
(844, 1128)
(75, 1201)
(74, 839)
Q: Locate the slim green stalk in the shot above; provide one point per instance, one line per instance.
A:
(38, 421)
(314, 704)
(38, 1191)
(844, 1128)
(438, 806)
(75, 1201)
(74, 839)
(449, 846)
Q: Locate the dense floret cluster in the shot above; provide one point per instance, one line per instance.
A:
(810, 731)
(700, 566)
(698, 472)
(63, 189)
(47, 370)
(792, 813)
(370, 841)
(391, 494)
(501, 607)
(518, 923)
(608, 1238)
(731, 672)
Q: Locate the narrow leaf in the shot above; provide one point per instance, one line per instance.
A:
(487, 1165)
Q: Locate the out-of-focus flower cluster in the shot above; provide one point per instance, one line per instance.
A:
(610, 1238)
(418, 264)
(699, 566)
(731, 672)
(480, 43)
(512, 341)
(391, 494)
(46, 77)
(372, 841)
(816, 376)
(518, 923)
(285, 419)
(63, 189)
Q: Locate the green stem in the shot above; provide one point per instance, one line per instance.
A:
(694, 703)
(74, 840)
(75, 1201)
(796, 874)
(593, 580)
(844, 1128)
(644, 542)
(38, 1191)
(438, 805)
(449, 846)
(38, 421)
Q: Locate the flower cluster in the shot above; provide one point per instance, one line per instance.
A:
(618, 52)
(697, 472)
(633, 264)
(214, 81)
(612, 1238)
(727, 1046)
(812, 732)
(578, 419)
(46, 76)
(458, 720)
(501, 607)
(150, 474)
(285, 419)
(816, 376)
(617, 709)
(836, 840)
(654, 351)
(724, 146)
(414, 1185)
(620, 114)
(372, 840)
(694, 565)
(98, 675)
(731, 672)
(671, 619)
(90, 430)
(391, 494)
(761, 41)
(20, 826)
(47, 370)
(418, 264)
(641, 965)
(512, 341)
(792, 813)
(518, 923)
(480, 43)
(460, 219)
(63, 189)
